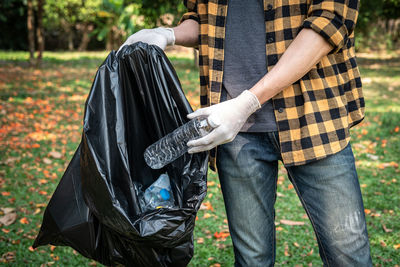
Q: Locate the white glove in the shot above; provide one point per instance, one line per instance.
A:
(158, 36)
(227, 118)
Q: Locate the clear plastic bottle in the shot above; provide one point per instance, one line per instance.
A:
(159, 194)
(173, 145)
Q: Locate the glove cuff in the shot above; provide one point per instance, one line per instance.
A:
(169, 34)
(251, 100)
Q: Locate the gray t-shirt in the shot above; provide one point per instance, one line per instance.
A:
(245, 59)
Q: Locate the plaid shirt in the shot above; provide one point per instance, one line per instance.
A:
(315, 113)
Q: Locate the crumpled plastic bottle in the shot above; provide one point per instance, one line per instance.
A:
(159, 194)
(173, 145)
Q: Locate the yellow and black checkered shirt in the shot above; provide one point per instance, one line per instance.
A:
(315, 113)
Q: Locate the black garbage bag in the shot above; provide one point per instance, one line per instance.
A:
(136, 98)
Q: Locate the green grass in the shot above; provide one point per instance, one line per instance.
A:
(41, 111)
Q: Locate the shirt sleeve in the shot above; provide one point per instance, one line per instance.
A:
(333, 19)
(191, 5)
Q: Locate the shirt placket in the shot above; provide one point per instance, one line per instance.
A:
(218, 59)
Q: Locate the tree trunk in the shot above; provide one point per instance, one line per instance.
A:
(109, 40)
(31, 32)
(70, 40)
(86, 30)
(39, 32)
(69, 32)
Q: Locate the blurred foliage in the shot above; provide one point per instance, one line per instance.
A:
(71, 12)
(152, 10)
(112, 21)
(378, 24)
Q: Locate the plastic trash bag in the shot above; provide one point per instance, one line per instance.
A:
(136, 98)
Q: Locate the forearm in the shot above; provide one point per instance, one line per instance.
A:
(304, 52)
(187, 33)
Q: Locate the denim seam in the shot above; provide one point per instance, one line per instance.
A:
(310, 216)
(276, 142)
(274, 232)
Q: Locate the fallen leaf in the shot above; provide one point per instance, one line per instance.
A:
(47, 161)
(8, 219)
(215, 265)
(7, 210)
(24, 220)
(56, 258)
(55, 154)
(296, 244)
(43, 181)
(200, 240)
(394, 164)
(383, 244)
(37, 211)
(206, 215)
(31, 248)
(206, 206)
(221, 235)
(221, 245)
(11, 160)
(387, 230)
(211, 183)
(8, 257)
(396, 246)
(5, 193)
(287, 254)
(289, 222)
(310, 252)
(367, 211)
(371, 156)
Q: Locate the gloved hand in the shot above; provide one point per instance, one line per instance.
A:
(227, 118)
(158, 36)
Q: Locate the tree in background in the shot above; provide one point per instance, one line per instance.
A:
(31, 26)
(72, 15)
(31, 31)
(117, 19)
(83, 24)
(378, 24)
(154, 12)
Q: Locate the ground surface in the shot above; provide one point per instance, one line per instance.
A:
(40, 127)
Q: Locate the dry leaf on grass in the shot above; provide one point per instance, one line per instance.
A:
(289, 222)
(9, 216)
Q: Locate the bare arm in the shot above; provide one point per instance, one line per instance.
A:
(304, 52)
(187, 33)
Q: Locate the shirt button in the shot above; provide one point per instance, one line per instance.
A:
(269, 7)
(280, 110)
(270, 40)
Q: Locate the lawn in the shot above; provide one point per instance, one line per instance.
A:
(40, 127)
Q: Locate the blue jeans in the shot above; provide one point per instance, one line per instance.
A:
(328, 189)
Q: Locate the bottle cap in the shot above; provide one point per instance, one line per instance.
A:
(165, 194)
